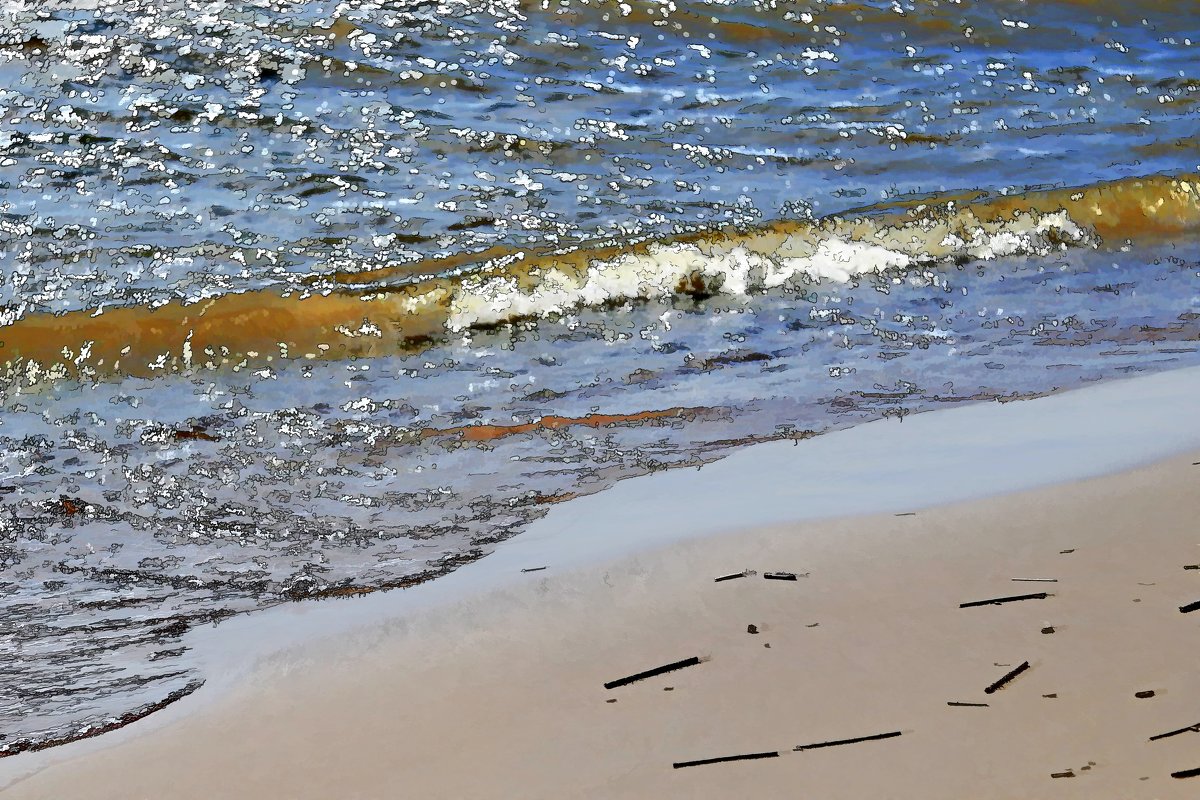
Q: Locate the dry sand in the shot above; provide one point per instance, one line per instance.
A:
(501, 695)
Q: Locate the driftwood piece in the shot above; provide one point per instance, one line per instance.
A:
(1189, 729)
(838, 742)
(995, 601)
(1186, 773)
(650, 673)
(746, 757)
(1067, 774)
(1143, 695)
(780, 576)
(1190, 607)
(1006, 679)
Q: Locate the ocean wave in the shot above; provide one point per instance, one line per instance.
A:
(837, 250)
(386, 311)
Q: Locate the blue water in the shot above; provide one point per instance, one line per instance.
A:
(173, 149)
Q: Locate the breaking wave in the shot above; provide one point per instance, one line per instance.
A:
(382, 312)
(834, 251)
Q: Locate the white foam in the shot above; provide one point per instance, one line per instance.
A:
(838, 253)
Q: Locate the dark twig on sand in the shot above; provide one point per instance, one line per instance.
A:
(837, 742)
(650, 673)
(533, 569)
(1008, 678)
(1035, 580)
(968, 705)
(703, 761)
(780, 576)
(1186, 773)
(1189, 729)
(1190, 607)
(1191, 566)
(1067, 774)
(995, 601)
(742, 574)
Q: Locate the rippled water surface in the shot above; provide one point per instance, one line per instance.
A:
(171, 149)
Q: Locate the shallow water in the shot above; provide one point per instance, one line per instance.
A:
(164, 151)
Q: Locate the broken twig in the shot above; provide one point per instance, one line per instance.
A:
(969, 705)
(1008, 678)
(837, 742)
(1186, 773)
(995, 601)
(1035, 580)
(533, 569)
(1189, 729)
(742, 574)
(1190, 607)
(650, 673)
(780, 576)
(703, 761)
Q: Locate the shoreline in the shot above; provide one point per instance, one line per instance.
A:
(295, 638)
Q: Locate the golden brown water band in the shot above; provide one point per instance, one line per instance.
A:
(253, 329)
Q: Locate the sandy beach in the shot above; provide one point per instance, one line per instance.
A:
(502, 694)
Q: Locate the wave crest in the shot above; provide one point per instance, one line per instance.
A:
(403, 309)
(835, 250)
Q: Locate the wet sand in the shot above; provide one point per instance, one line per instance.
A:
(502, 695)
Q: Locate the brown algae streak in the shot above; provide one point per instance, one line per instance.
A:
(358, 315)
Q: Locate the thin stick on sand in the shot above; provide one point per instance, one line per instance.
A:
(703, 761)
(995, 601)
(1190, 607)
(1189, 729)
(1035, 580)
(1186, 773)
(1008, 678)
(650, 673)
(839, 742)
